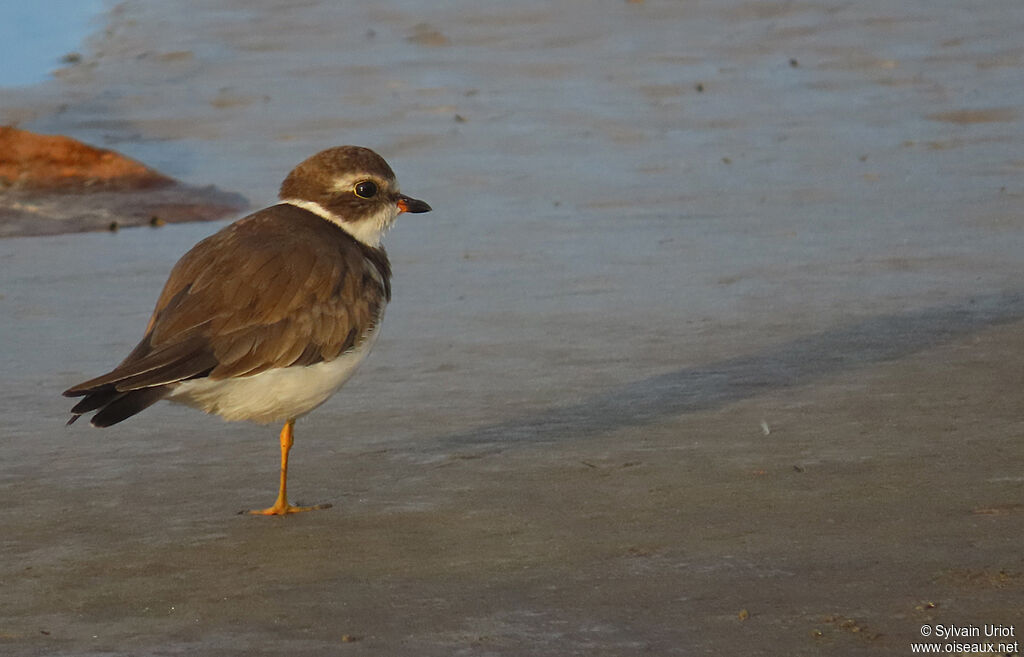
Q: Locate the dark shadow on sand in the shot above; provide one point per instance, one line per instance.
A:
(798, 362)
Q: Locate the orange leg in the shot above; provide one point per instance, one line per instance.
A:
(281, 506)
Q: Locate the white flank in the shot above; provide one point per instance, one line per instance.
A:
(368, 230)
(275, 395)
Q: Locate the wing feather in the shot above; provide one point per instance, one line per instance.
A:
(281, 287)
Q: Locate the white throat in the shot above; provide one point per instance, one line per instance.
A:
(369, 230)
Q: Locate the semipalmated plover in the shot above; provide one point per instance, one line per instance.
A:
(267, 318)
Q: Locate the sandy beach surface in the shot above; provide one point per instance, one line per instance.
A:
(711, 345)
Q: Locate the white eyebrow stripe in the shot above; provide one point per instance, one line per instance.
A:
(346, 182)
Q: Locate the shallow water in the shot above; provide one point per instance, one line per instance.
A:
(35, 35)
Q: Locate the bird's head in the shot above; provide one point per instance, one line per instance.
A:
(352, 187)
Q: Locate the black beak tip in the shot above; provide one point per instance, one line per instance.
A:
(412, 205)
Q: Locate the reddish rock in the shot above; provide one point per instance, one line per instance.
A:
(51, 184)
(54, 162)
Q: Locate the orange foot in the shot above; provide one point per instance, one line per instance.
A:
(281, 506)
(283, 509)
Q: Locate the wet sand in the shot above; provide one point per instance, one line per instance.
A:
(711, 344)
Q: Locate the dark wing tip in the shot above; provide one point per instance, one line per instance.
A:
(127, 404)
(78, 390)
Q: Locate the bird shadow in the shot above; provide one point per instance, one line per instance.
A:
(797, 362)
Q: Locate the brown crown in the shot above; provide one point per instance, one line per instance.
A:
(313, 178)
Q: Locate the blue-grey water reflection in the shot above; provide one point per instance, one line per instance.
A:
(35, 35)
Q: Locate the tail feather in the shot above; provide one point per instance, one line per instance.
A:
(113, 405)
(128, 404)
(96, 399)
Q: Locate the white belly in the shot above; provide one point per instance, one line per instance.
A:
(275, 395)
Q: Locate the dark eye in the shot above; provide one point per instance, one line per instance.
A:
(366, 189)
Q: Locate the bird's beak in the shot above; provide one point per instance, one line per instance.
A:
(406, 204)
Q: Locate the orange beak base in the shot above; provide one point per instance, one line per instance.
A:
(415, 206)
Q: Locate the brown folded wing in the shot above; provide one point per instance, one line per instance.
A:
(280, 288)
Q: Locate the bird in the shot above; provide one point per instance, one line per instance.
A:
(267, 318)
